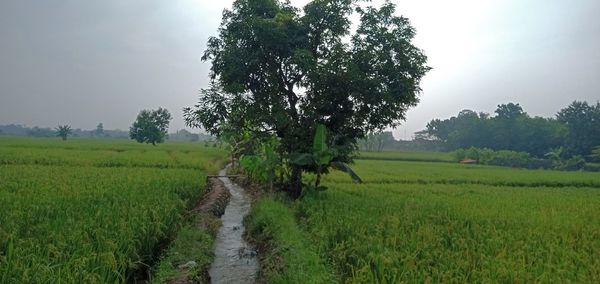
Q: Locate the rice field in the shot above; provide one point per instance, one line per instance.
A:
(425, 222)
(418, 156)
(85, 211)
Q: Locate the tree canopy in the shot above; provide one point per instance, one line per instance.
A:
(150, 126)
(278, 70)
(583, 123)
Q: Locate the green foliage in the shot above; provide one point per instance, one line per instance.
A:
(595, 156)
(92, 211)
(377, 141)
(266, 165)
(583, 124)
(343, 167)
(150, 126)
(290, 256)
(321, 158)
(554, 159)
(490, 157)
(321, 154)
(284, 71)
(576, 129)
(239, 139)
(63, 131)
(574, 163)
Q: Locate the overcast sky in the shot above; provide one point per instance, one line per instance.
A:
(84, 62)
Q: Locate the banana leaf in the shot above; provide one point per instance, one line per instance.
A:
(340, 166)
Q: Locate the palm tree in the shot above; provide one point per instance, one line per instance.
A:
(63, 131)
(555, 155)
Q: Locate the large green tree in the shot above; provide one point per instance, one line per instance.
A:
(280, 70)
(150, 126)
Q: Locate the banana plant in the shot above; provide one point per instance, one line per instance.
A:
(322, 157)
(265, 164)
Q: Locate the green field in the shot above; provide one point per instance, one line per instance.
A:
(418, 156)
(85, 211)
(439, 222)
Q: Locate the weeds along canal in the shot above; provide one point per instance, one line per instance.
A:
(235, 260)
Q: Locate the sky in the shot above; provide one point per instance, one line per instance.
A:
(85, 62)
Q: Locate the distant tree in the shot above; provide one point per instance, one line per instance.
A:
(150, 126)
(583, 123)
(99, 132)
(508, 126)
(285, 71)
(63, 131)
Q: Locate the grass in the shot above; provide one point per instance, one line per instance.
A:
(288, 256)
(85, 211)
(442, 222)
(193, 243)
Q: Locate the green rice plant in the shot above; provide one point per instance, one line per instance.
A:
(414, 222)
(402, 172)
(389, 233)
(93, 211)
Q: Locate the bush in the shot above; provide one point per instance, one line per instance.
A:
(589, 167)
(575, 163)
(535, 163)
(490, 157)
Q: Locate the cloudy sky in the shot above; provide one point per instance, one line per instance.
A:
(84, 62)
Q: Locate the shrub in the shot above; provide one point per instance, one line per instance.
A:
(490, 157)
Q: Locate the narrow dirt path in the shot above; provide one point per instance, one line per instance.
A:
(235, 260)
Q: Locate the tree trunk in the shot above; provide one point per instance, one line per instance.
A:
(318, 180)
(295, 183)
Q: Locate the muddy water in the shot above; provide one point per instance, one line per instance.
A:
(235, 260)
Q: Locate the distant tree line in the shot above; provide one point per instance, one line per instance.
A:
(574, 131)
(98, 133)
